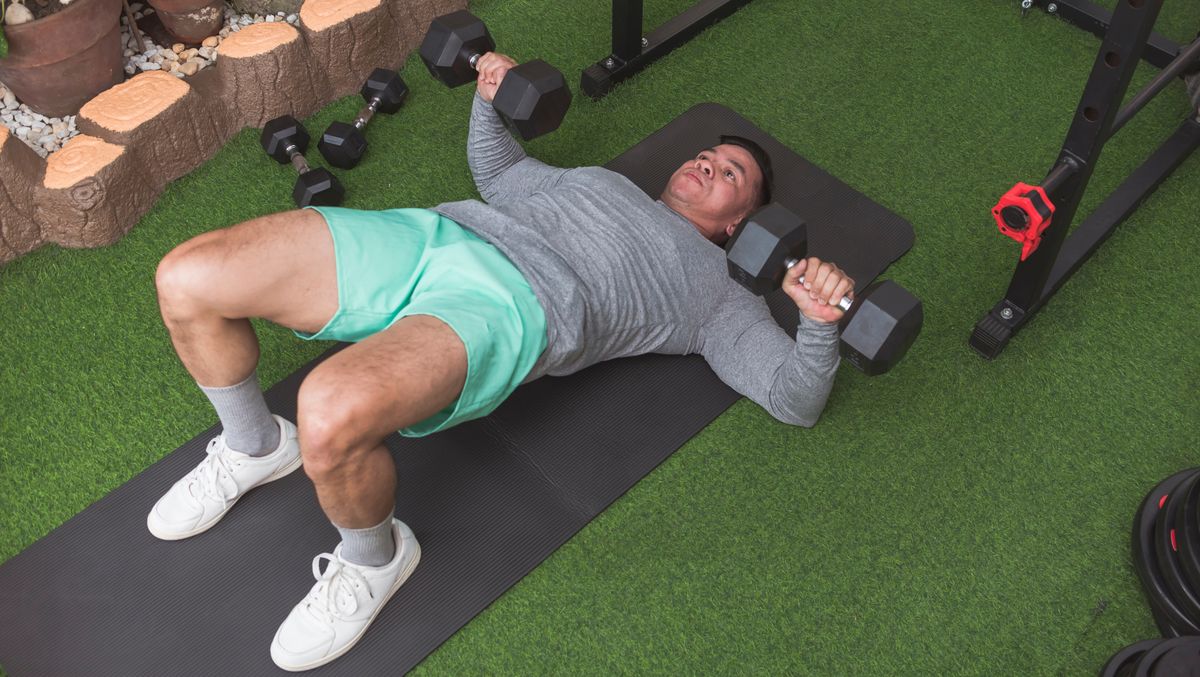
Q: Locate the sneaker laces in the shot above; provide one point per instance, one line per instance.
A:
(207, 475)
(338, 582)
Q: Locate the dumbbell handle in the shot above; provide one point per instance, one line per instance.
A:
(364, 115)
(297, 158)
(844, 304)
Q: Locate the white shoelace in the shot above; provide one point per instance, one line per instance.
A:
(338, 579)
(207, 475)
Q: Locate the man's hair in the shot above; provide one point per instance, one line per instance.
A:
(764, 164)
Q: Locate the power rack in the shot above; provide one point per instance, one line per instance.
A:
(1040, 216)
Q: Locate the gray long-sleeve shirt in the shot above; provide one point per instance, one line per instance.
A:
(619, 273)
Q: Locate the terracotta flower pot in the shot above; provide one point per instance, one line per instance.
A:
(57, 63)
(190, 21)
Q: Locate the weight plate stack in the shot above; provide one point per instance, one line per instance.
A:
(1166, 556)
(1159, 531)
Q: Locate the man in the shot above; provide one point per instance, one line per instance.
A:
(562, 268)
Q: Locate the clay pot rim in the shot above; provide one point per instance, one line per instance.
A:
(27, 46)
(17, 31)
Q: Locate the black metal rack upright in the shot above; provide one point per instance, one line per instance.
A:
(631, 51)
(1095, 19)
(1128, 36)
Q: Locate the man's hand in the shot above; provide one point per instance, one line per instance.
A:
(492, 67)
(824, 285)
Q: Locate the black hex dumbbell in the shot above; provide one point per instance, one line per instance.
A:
(285, 139)
(343, 145)
(877, 328)
(533, 98)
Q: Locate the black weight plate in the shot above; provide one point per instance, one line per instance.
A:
(1144, 560)
(1163, 623)
(1147, 665)
(1165, 540)
(1182, 661)
(1122, 662)
(1187, 534)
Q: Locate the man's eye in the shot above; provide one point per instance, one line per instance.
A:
(728, 174)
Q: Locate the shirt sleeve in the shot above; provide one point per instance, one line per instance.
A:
(752, 354)
(501, 169)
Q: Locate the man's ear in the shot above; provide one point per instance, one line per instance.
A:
(732, 227)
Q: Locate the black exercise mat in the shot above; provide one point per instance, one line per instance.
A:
(488, 500)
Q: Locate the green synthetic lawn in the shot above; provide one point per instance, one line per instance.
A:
(955, 516)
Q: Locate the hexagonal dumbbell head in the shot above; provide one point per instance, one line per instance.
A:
(449, 44)
(533, 99)
(342, 145)
(387, 86)
(758, 252)
(318, 187)
(280, 133)
(880, 327)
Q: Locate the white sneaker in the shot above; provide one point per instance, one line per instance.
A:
(342, 604)
(198, 501)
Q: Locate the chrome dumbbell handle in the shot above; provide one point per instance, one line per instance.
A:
(296, 158)
(367, 112)
(844, 304)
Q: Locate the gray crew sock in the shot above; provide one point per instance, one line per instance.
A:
(249, 426)
(372, 547)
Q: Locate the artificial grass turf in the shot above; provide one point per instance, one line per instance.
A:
(956, 516)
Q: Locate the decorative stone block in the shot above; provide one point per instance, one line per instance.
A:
(352, 38)
(92, 194)
(266, 71)
(412, 17)
(20, 171)
(167, 126)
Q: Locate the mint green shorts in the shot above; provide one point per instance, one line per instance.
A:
(400, 262)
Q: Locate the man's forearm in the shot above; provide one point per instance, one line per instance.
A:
(803, 382)
(491, 149)
(500, 166)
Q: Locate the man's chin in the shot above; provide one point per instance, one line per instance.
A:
(681, 186)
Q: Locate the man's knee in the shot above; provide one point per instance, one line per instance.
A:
(184, 274)
(335, 421)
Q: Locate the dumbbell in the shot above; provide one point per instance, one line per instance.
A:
(343, 145)
(877, 328)
(285, 139)
(533, 97)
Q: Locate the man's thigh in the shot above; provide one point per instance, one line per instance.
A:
(279, 267)
(392, 379)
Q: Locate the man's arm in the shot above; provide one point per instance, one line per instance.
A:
(754, 356)
(501, 169)
(751, 353)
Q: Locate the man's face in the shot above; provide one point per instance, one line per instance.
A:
(715, 190)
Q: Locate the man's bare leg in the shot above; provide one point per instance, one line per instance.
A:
(279, 267)
(354, 399)
(346, 406)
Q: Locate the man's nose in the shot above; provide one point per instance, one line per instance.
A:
(704, 166)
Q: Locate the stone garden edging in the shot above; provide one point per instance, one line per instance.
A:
(154, 128)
